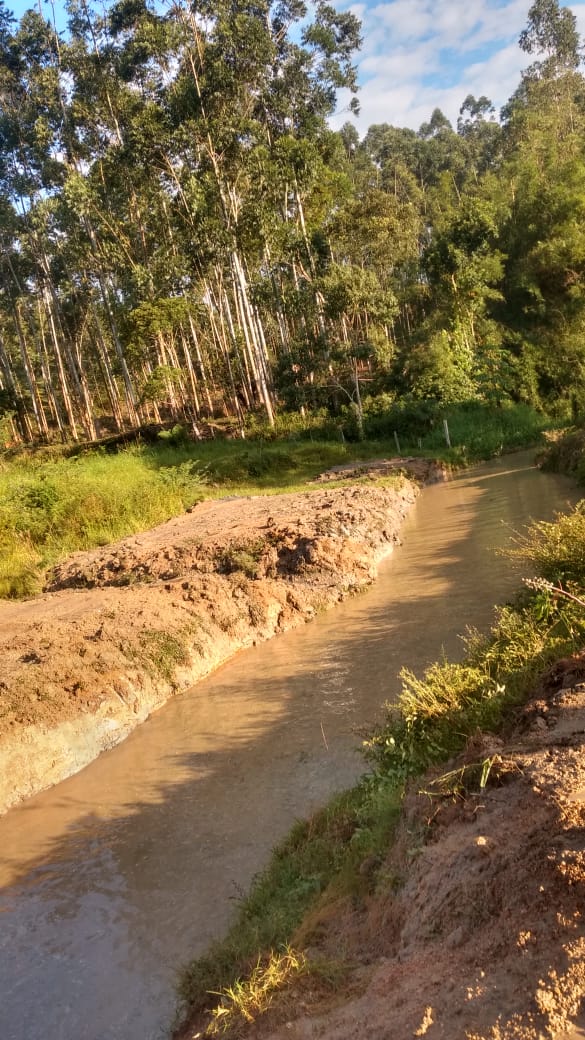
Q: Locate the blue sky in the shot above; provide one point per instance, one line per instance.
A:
(421, 54)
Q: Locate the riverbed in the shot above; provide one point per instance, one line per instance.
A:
(116, 876)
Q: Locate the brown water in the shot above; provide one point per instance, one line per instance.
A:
(111, 880)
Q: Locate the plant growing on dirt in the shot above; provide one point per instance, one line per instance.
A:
(165, 652)
(244, 558)
(247, 998)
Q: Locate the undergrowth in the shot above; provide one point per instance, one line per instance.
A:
(566, 454)
(435, 717)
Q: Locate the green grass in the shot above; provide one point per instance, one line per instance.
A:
(325, 851)
(164, 652)
(481, 432)
(438, 712)
(435, 717)
(51, 508)
(51, 505)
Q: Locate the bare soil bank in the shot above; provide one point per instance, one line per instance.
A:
(474, 929)
(121, 629)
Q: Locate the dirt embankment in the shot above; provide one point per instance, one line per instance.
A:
(475, 925)
(120, 629)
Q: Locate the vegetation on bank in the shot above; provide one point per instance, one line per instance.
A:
(340, 852)
(566, 454)
(51, 504)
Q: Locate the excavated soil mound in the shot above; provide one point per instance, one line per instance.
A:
(427, 471)
(121, 629)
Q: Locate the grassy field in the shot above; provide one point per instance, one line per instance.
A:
(51, 505)
(339, 854)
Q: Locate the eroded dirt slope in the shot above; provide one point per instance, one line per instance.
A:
(122, 628)
(476, 927)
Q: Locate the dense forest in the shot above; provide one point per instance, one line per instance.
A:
(184, 237)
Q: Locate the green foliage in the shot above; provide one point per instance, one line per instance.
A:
(556, 550)
(552, 33)
(480, 431)
(52, 508)
(160, 384)
(437, 713)
(324, 851)
(242, 558)
(566, 454)
(411, 419)
(184, 237)
(164, 652)
(186, 480)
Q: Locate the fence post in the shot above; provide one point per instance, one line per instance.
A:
(446, 429)
(397, 442)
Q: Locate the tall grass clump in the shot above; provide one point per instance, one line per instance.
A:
(250, 997)
(58, 506)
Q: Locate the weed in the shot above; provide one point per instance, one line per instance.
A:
(166, 652)
(242, 557)
(243, 560)
(251, 996)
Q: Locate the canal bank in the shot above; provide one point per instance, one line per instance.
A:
(111, 880)
(119, 630)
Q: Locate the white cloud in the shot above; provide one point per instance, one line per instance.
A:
(422, 54)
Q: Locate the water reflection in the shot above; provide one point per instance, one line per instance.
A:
(113, 878)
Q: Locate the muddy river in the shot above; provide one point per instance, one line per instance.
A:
(111, 880)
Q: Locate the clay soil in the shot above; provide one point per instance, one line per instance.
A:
(120, 629)
(475, 925)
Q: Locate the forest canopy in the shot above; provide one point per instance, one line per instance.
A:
(184, 237)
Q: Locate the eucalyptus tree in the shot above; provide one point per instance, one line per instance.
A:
(482, 133)
(32, 174)
(248, 107)
(543, 188)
